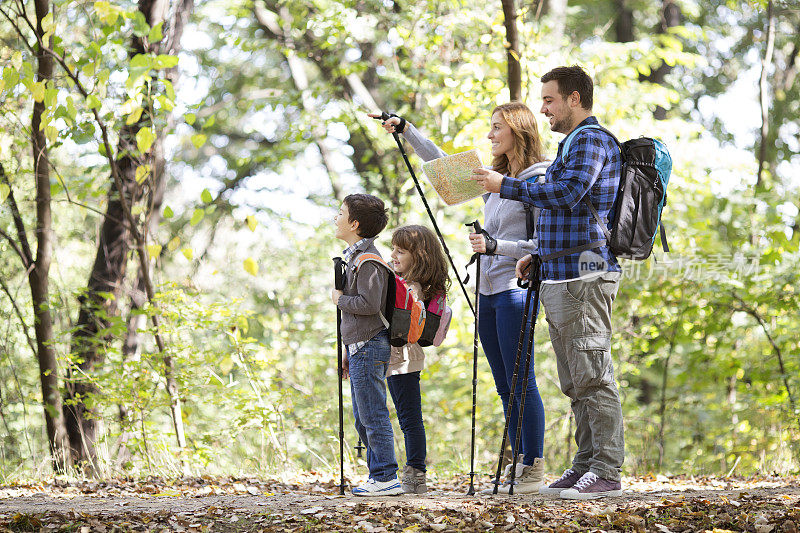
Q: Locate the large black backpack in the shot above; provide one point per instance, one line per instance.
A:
(635, 218)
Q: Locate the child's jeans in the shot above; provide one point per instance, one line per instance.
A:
(408, 402)
(367, 374)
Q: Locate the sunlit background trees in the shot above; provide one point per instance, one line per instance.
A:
(169, 172)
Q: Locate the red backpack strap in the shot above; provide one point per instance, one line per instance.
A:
(360, 260)
(371, 257)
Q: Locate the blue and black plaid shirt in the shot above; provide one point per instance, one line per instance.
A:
(592, 166)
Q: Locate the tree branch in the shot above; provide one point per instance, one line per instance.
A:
(18, 312)
(775, 348)
(24, 249)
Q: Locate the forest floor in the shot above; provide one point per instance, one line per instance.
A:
(661, 504)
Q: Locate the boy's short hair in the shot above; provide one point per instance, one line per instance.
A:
(570, 79)
(369, 211)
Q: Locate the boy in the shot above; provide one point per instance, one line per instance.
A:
(360, 219)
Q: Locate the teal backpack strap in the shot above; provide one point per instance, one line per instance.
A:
(573, 133)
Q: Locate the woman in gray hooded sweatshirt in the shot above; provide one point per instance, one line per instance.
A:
(517, 153)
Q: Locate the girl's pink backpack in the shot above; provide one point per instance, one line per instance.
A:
(437, 321)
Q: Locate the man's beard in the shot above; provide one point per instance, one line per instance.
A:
(564, 125)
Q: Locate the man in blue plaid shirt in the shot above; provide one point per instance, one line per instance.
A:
(580, 278)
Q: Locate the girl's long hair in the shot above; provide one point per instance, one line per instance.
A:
(527, 144)
(429, 266)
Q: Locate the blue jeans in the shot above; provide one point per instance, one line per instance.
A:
(367, 374)
(407, 399)
(499, 324)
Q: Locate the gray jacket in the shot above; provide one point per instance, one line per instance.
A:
(503, 219)
(363, 298)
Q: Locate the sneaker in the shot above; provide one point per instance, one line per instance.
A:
(590, 487)
(566, 481)
(379, 488)
(506, 478)
(414, 480)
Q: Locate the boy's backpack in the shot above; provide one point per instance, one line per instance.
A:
(437, 321)
(405, 314)
(635, 217)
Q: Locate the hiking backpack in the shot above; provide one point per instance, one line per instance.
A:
(404, 315)
(408, 318)
(635, 217)
(437, 321)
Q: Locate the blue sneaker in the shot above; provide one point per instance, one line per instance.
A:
(379, 488)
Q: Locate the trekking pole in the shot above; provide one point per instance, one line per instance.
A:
(338, 283)
(477, 256)
(520, 346)
(533, 285)
(384, 117)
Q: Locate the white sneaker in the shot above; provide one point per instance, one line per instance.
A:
(379, 488)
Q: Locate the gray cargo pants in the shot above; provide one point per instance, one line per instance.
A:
(579, 315)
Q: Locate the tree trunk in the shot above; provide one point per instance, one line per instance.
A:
(763, 88)
(624, 24)
(110, 267)
(512, 50)
(38, 277)
(670, 17)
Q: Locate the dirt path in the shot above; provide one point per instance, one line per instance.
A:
(763, 505)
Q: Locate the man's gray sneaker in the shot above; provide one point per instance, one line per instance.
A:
(591, 487)
(414, 481)
(566, 481)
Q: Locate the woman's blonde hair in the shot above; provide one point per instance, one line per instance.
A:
(428, 266)
(527, 144)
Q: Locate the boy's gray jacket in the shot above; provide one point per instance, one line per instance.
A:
(503, 219)
(364, 297)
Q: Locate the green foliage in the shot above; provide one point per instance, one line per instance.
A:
(705, 340)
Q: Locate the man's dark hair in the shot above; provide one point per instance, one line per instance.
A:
(571, 79)
(369, 211)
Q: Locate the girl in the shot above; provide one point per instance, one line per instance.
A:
(417, 256)
(517, 153)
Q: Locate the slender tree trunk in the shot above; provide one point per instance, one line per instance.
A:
(662, 408)
(512, 50)
(38, 276)
(670, 17)
(763, 88)
(624, 24)
(110, 267)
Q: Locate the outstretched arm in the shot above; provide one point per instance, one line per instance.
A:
(424, 147)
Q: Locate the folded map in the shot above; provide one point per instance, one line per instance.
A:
(451, 176)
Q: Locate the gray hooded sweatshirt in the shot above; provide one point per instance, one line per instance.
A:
(503, 219)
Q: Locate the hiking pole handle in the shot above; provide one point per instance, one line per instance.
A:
(532, 272)
(339, 271)
(476, 226)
